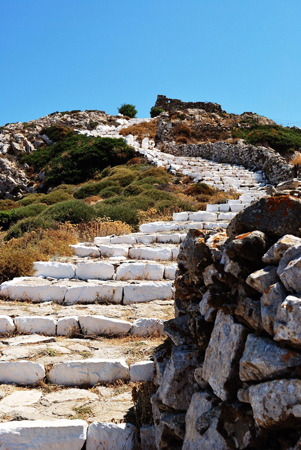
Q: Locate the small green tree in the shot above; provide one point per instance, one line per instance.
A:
(128, 110)
(155, 111)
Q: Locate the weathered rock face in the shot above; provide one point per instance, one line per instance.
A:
(236, 341)
(276, 216)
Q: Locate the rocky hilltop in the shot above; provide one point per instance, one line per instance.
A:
(183, 129)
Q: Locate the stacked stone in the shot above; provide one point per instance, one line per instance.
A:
(228, 377)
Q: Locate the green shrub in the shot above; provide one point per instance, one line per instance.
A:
(73, 211)
(56, 133)
(14, 215)
(6, 205)
(279, 138)
(110, 192)
(155, 111)
(29, 199)
(56, 197)
(122, 176)
(89, 189)
(127, 109)
(122, 212)
(27, 225)
(65, 187)
(77, 158)
(133, 190)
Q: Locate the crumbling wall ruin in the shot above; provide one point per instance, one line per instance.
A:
(171, 104)
(229, 375)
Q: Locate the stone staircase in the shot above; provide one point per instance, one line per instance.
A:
(77, 336)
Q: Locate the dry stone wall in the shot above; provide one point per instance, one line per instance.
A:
(229, 375)
(171, 104)
(254, 158)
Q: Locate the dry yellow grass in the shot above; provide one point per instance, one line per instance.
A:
(88, 231)
(18, 255)
(296, 159)
(142, 130)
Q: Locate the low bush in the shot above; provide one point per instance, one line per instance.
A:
(110, 192)
(18, 255)
(56, 133)
(155, 111)
(26, 226)
(73, 211)
(7, 218)
(92, 188)
(126, 109)
(77, 158)
(29, 199)
(122, 175)
(121, 212)
(132, 190)
(279, 138)
(6, 205)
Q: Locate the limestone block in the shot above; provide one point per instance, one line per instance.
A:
(102, 240)
(6, 325)
(288, 319)
(170, 271)
(145, 292)
(146, 239)
(177, 385)
(95, 325)
(90, 293)
(226, 215)
(219, 366)
(289, 269)
(54, 269)
(155, 253)
(262, 279)
(21, 372)
(125, 239)
(43, 435)
(169, 238)
(237, 208)
(85, 250)
(175, 252)
(182, 216)
(263, 359)
(88, 372)
(67, 326)
(142, 371)
(33, 289)
(110, 436)
(270, 302)
(113, 250)
(201, 403)
(146, 327)
(276, 252)
(212, 208)
(36, 324)
(140, 271)
(203, 215)
(276, 403)
(147, 437)
(224, 207)
(95, 270)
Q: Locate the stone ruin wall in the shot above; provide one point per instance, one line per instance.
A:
(274, 166)
(171, 104)
(229, 376)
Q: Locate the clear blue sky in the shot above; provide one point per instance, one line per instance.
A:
(58, 55)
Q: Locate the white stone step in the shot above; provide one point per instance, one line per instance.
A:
(43, 435)
(70, 292)
(100, 270)
(88, 372)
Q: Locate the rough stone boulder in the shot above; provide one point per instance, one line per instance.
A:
(275, 216)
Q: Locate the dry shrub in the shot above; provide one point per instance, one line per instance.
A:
(93, 200)
(153, 215)
(137, 160)
(18, 255)
(142, 130)
(296, 159)
(98, 227)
